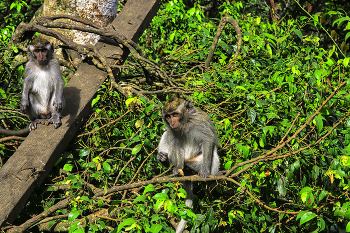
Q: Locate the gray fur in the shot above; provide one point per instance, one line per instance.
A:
(195, 139)
(42, 95)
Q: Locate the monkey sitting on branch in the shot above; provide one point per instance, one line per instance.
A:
(190, 141)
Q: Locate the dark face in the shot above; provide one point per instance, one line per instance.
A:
(173, 119)
(41, 55)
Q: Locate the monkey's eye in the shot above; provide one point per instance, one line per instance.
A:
(175, 114)
(40, 50)
(167, 117)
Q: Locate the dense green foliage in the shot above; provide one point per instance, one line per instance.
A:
(270, 103)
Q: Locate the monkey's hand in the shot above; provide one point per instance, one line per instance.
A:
(58, 104)
(162, 156)
(24, 106)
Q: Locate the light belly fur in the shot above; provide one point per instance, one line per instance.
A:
(42, 89)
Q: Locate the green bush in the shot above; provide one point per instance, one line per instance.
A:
(281, 110)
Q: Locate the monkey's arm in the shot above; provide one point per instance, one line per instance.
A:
(163, 150)
(207, 150)
(165, 154)
(28, 83)
(58, 101)
(59, 85)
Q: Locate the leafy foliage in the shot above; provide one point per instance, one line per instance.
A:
(271, 110)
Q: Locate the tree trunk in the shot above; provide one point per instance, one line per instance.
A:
(101, 12)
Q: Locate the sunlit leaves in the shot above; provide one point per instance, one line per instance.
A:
(305, 216)
(73, 214)
(136, 149)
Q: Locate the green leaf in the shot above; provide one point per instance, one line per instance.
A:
(158, 205)
(228, 165)
(141, 198)
(319, 123)
(191, 11)
(149, 188)
(341, 20)
(348, 227)
(322, 195)
(68, 167)
(149, 108)
(51, 222)
(270, 36)
(304, 193)
(74, 226)
(347, 36)
(136, 149)
(306, 216)
(306, 190)
(172, 36)
(169, 205)
(161, 196)
(3, 94)
(95, 100)
(85, 198)
(126, 222)
(245, 151)
(318, 74)
(268, 48)
(156, 228)
(73, 214)
(240, 87)
(298, 32)
(12, 5)
(106, 167)
(346, 61)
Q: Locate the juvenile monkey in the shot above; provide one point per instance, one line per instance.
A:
(190, 141)
(42, 95)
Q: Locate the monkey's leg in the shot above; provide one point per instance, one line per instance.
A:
(56, 115)
(188, 186)
(34, 111)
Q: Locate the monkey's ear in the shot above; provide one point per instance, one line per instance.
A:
(30, 48)
(189, 107)
(50, 47)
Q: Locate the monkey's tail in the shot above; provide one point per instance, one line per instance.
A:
(9, 132)
(188, 186)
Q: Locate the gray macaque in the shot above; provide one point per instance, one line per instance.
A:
(42, 95)
(189, 142)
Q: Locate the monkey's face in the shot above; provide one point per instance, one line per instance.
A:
(173, 119)
(41, 55)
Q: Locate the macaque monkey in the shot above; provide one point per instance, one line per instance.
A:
(42, 95)
(189, 142)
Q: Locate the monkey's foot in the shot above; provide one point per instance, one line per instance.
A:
(204, 173)
(56, 121)
(32, 125)
(178, 171)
